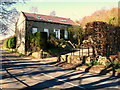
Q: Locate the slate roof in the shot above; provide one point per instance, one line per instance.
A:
(47, 18)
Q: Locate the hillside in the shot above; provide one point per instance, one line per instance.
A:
(110, 16)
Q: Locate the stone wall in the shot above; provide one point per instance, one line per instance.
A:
(71, 59)
(44, 25)
(41, 55)
(20, 34)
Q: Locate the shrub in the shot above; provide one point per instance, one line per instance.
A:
(105, 37)
(41, 39)
(55, 51)
(52, 42)
(29, 42)
(118, 70)
(5, 43)
(12, 42)
(36, 41)
(59, 43)
(9, 43)
(75, 34)
(115, 64)
(95, 63)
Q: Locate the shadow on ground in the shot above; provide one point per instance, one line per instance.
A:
(27, 63)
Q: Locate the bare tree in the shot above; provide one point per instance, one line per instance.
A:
(33, 9)
(3, 28)
(53, 13)
(8, 17)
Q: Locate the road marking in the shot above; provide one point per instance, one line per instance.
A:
(62, 80)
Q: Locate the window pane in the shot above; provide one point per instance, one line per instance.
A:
(34, 30)
(66, 34)
(46, 30)
(57, 32)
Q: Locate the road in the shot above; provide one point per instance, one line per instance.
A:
(24, 73)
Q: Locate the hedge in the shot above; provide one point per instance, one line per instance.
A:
(41, 39)
(5, 43)
(11, 43)
(36, 41)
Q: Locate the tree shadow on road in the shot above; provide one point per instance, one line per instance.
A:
(56, 80)
(92, 85)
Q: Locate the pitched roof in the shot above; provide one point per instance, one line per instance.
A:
(54, 19)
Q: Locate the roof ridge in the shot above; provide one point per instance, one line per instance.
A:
(48, 18)
(47, 15)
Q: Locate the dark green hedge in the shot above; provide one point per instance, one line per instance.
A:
(12, 42)
(41, 39)
(5, 44)
(36, 41)
(9, 42)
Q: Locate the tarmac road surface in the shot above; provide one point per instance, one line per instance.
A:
(24, 73)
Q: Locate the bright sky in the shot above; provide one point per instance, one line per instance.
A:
(74, 9)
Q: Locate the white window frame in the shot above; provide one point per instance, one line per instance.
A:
(34, 30)
(46, 30)
(57, 33)
(66, 34)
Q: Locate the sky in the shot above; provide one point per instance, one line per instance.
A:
(73, 9)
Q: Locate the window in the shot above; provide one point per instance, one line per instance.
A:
(66, 34)
(38, 17)
(46, 30)
(57, 32)
(63, 20)
(50, 20)
(34, 30)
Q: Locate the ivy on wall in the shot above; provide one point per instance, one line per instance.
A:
(36, 41)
